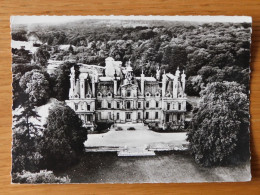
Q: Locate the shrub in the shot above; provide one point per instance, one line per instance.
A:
(131, 129)
(119, 129)
(43, 176)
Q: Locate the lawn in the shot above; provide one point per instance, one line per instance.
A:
(165, 167)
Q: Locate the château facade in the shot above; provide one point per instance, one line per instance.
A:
(113, 94)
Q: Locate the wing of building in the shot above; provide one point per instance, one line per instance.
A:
(116, 95)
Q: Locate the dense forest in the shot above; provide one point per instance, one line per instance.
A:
(207, 52)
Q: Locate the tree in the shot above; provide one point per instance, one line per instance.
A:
(35, 84)
(174, 56)
(220, 127)
(63, 139)
(62, 81)
(25, 137)
(19, 96)
(42, 55)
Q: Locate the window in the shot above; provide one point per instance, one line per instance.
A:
(88, 107)
(88, 117)
(147, 94)
(168, 106)
(88, 96)
(128, 116)
(139, 115)
(117, 116)
(178, 117)
(147, 115)
(109, 94)
(156, 115)
(147, 104)
(128, 93)
(157, 94)
(118, 105)
(167, 118)
(128, 105)
(76, 107)
(99, 104)
(139, 104)
(179, 106)
(108, 105)
(99, 94)
(157, 104)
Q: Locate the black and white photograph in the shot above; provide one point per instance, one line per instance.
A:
(130, 99)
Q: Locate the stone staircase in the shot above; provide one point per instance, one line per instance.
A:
(136, 151)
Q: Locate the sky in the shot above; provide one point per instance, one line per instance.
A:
(62, 19)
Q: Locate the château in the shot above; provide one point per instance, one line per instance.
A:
(113, 94)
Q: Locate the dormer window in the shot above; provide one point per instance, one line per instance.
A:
(147, 104)
(88, 95)
(99, 94)
(109, 94)
(157, 94)
(128, 93)
(168, 95)
(147, 94)
(179, 106)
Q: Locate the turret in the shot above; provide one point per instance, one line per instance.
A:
(128, 72)
(183, 81)
(158, 74)
(175, 83)
(93, 85)
(72, 82)
(76, 92)
(142, 83)
(164, 79)
(82, 87)
(115, 83)
(177, 73)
